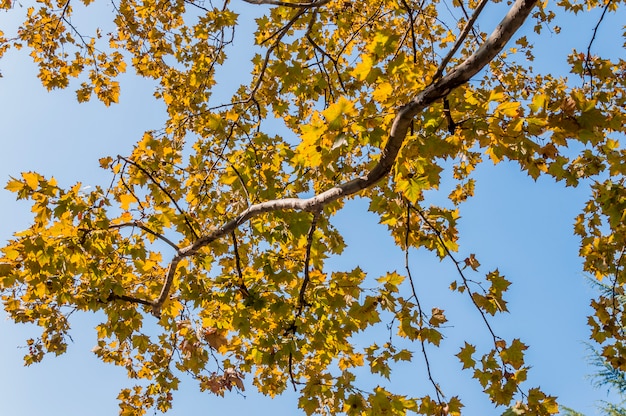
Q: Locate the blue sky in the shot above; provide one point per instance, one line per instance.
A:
(522, 227)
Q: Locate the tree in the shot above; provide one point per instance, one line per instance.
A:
(206, 253)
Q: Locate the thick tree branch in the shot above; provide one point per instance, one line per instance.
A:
(165, 291)
(458, 76)
(305, 5)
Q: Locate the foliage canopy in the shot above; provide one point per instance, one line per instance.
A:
(206, 253)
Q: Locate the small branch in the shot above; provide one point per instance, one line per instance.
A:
(615, 284)
(307, 5)
(446, 111)
(460, 271)
(466, 29)
(593, 38)
(63, 18)
(279, 35)
(220, 156)
(125, 298)
(412, 30)
(169, 280)
(242, 285)
(595, 29)
(324, 53)
(165, 191)
(307, 260)
(129, 189)
(196, 5)
(291, 377)
(148, 230)
(438, 391)
(404, 118)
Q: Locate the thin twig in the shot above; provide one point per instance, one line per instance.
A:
(438, 391)
(165, 191)
(593, 38)
(148, 230)
(460, 271)
(129, 189)
(412, 30)
(466, 29)
(307, 260)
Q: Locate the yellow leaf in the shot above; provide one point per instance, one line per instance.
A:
(507, 108)
(32, 179)
(538, 103)
(14, 185)
(335, 113)
(382, 91)
(126, 200)
(363, 69)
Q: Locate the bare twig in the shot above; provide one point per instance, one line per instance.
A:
(291, 377)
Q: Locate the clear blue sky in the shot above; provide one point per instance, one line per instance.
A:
(519, 226)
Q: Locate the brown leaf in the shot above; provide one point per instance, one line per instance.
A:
(472, 262)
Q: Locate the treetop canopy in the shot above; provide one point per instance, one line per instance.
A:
(206, 253)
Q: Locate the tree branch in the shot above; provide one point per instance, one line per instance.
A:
(148, 230)
(279, 35)
(165, 291)
(307, 260)
(125, 298)
(458, 76)
(460, 271)
(438, 391)
(466, 29)
(169, 196)
(241, 284)
(306, 5)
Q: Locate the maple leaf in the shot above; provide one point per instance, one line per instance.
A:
(472, 262)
